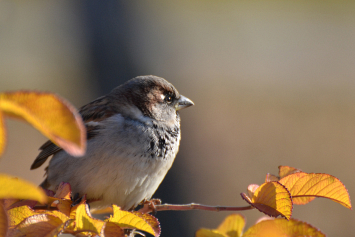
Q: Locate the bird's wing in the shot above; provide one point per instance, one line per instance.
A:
(95, 111)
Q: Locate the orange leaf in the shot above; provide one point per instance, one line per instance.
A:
(12, 187)
(135, 220)
(63, 205)
(305, 187)
(272, 198)
(38, 225)
(113, 230)
(281, 228)
(3, 221)
(287, 170)
(53, 116)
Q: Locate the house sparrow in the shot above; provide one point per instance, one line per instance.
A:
(133, 137)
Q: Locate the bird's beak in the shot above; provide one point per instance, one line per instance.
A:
(183, 102)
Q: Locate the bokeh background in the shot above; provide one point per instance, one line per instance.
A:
(273, 83)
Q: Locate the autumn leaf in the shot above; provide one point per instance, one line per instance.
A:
(3, 221)
(53, 116)
(20, 189)
(63, 191)
(135, 220)
(38, 225)
(282, 228)
(305, 187)
(18, 214)
(209, 233)
(271, 198)
(287, 170)
(283, 171)
(232, 226)
(84, 221)
(113, 230)
(62, 199)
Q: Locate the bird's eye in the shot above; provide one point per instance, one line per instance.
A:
(168, 99)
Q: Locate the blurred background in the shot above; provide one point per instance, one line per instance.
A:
(273, 83)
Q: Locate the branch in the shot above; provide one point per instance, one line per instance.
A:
(186, 207)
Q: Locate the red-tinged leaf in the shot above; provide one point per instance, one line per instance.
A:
(282, 228)
(12, 187)
(38, 225)
(2, 133)
(26, 202)
(49, 193)
(287, 170)
(271, 198)
(135, 220)
(53, 116)
(252, 188)
(305, 187)
(63, 191)
(271, 178)
(113, 230)
(3, 221)
(9, 201)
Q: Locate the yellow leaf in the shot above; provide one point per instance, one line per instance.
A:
(58, 214)
(272, 198)
(282, 228)
(84, 222)
(135, 220)
(53, 116)
(3, 221)
(232, 226)
(305, 187)
(287, 170)
(21, 189)
(209, 233)
(38, 225)
(2, 133)
(18, 214)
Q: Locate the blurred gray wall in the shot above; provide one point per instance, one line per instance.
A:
(273, 83)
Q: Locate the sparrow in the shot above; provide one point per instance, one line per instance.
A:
(133, 136)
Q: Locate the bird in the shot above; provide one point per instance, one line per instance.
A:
(133, 137)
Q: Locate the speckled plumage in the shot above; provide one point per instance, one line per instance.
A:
(133, 138)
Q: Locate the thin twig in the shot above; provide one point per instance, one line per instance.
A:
(191, 206)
